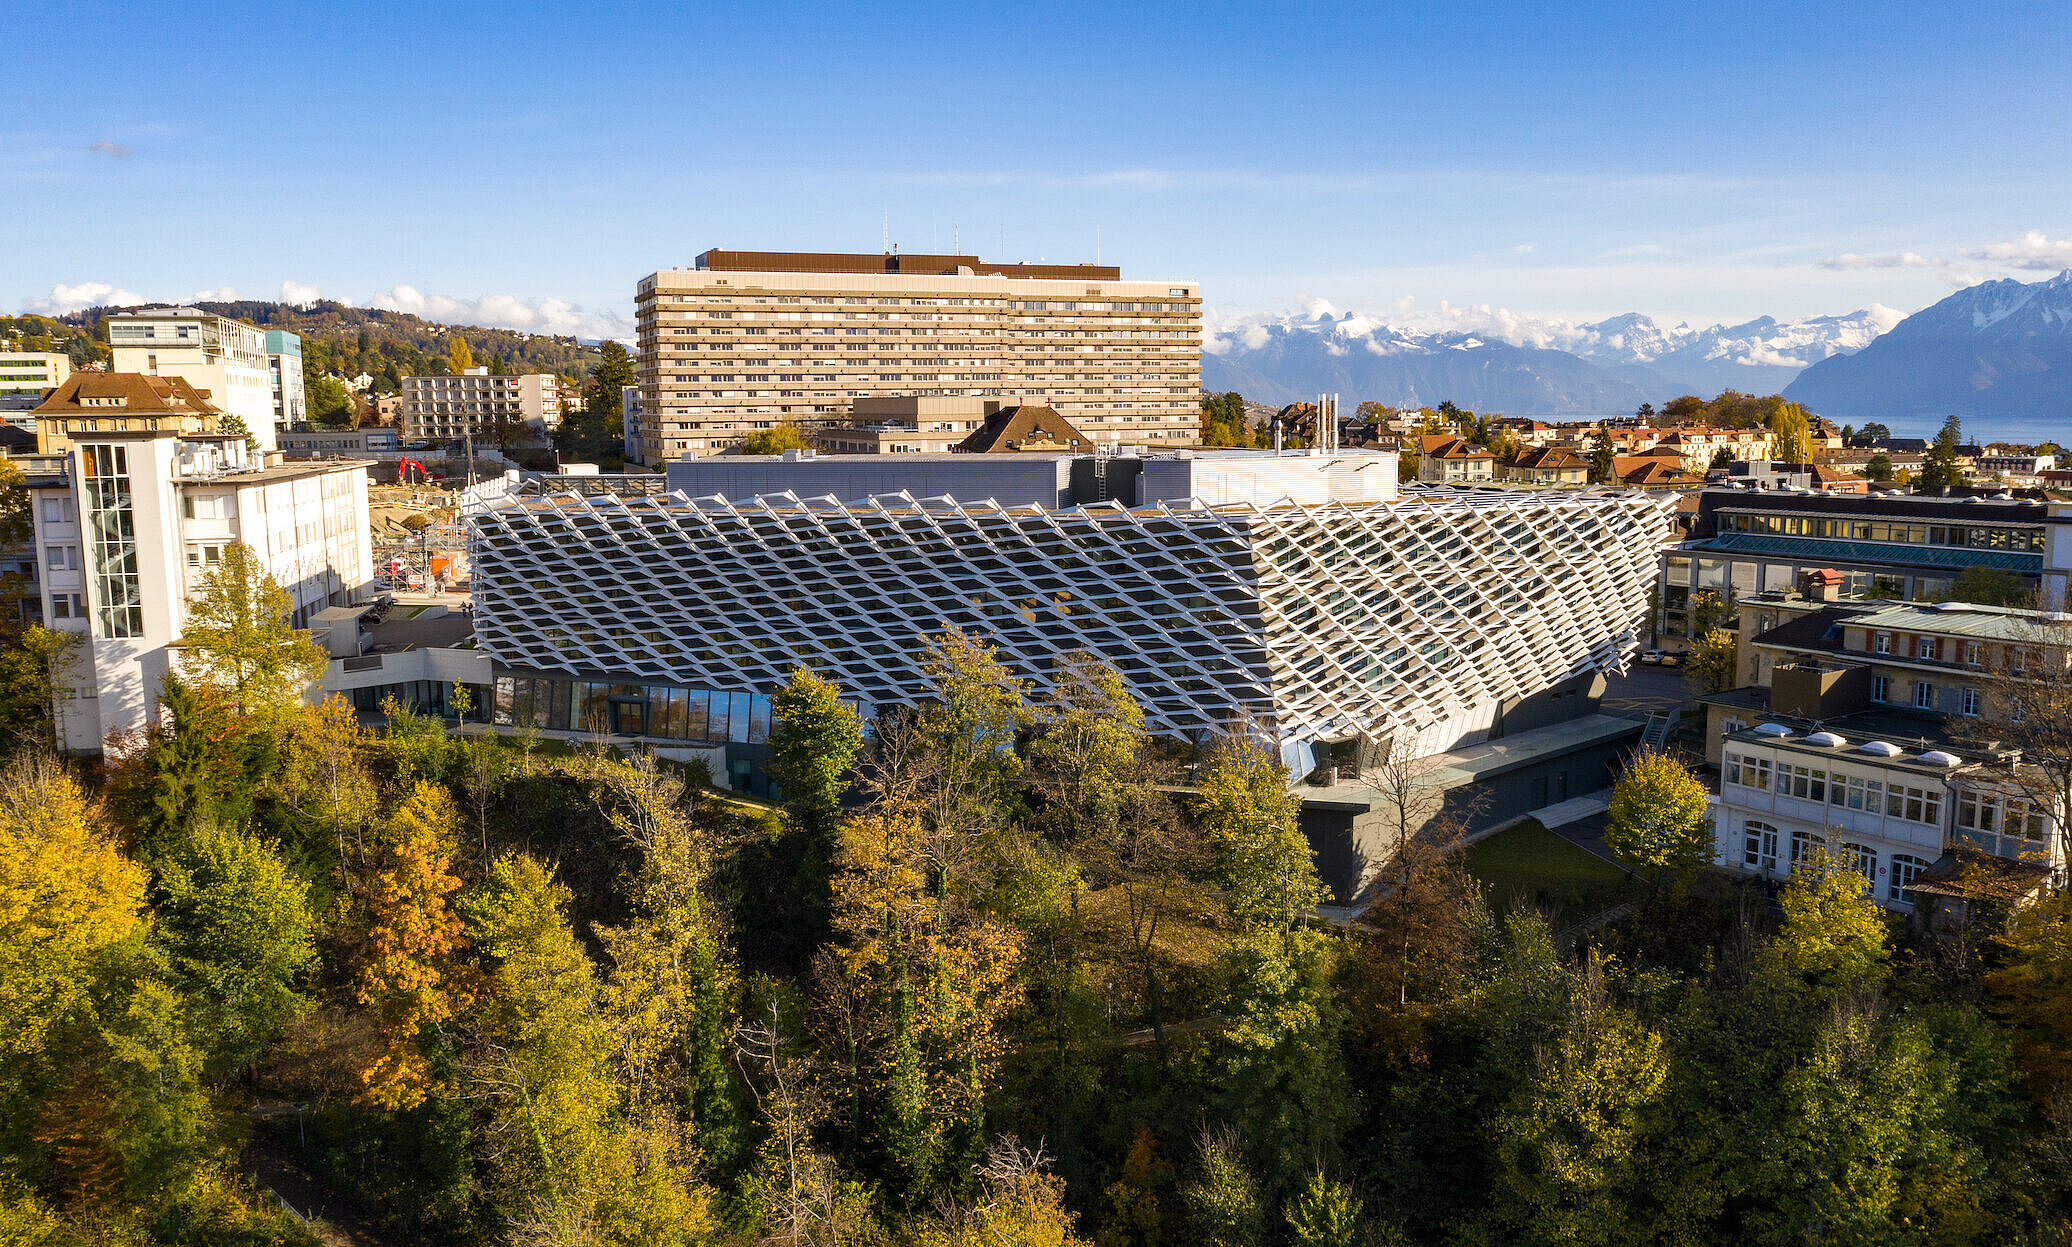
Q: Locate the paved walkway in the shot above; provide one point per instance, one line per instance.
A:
(1562, 813)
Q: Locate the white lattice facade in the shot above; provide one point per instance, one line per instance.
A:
(1409, 621)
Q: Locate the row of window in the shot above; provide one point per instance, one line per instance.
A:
(1760, 843)
(660, 711)
(1026, 305)
(1852, 792)
(2024, 539)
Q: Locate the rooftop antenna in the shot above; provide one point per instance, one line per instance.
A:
(956, 238)
(1097, 244)
(887, 238)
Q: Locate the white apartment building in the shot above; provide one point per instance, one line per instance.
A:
(228, 360)
(748, 340)
(144, 497)
(284, 364)
(25, 376)
(511, 411)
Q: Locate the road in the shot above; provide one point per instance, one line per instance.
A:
(1646, 689)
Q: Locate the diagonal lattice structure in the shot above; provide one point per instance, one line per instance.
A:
(1408, 621)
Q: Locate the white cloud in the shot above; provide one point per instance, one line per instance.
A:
(111, 147)
(295, 294)
(1905, 259)
(1763, 353)
(2033, 250)
(505, 311)
(221, 294)
(1524, 248)
(65, 300)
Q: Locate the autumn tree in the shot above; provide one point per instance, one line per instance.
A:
(67, 897)
(2033, 985)
(1018, 1202)
(1224, 1208)
(965, 737)
(239, 641)
(566, 1164)
(458, 356)
(1711, 663)
(326, 774)
(409, 975)
(672, 982)
(1657, 822)
(1833, 937)
(914, 1002)
(773, 441)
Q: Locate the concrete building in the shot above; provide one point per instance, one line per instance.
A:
(748, 340)
(284, 369)
(1871, 733)
(513, 410)
(370, 442)
(1887, 545)
(229, 361)
(143, 498)
(905, 425)
(25, 377)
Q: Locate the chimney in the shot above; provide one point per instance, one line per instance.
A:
(1822, 584)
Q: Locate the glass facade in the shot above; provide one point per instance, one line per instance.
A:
(111, 526)
(659, 711)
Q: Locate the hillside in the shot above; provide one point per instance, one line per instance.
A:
(1997, 350)
(343, 340)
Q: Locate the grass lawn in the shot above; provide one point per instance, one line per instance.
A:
(1529, 863)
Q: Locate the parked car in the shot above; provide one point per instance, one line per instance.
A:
(1652, 657)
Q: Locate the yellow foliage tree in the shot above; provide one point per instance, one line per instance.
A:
(458, 354)
(66, 898)
(2034, 986)
(413, 935)
(1833, 935)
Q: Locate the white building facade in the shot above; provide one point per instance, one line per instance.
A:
(448, 409)
(1302, 597)
(130, 524)
(25, 376)
(227, 359)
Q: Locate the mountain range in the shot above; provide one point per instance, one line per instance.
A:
(1522, 368)
(2000, 350)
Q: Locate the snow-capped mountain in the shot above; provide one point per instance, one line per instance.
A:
(1997, 349)
(1489, 360)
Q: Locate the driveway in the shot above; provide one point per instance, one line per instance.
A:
(1645, 690)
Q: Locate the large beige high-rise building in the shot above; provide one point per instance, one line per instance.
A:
(521, 410)
(747, 340)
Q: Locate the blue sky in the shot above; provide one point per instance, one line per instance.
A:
(527, 163)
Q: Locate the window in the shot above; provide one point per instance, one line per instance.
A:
(1924, 695)
(1881, 643)
(1905, 869)
(1805, 846)
(61, 558)
(1748, 772)
(1881, 688)
(1856, 793)
(1802, 782)
(67, 606)
(57, 510)
(1863, 859)
(1925, 647)
(1970, 702)
(1759, 846)
(1914, 805)
(1974, 654)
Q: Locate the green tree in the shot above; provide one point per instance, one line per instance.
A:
(31, 667)
(773, 441)
(238, 933)
(1086, 754)
(1991, 586)
(1941, 468)
(1711, 664)
(1571, 1147)
(328, 402)
(1265, 864)
(1657, 821)
(1603, 456)
(1284, 1083)
(239, 641)
(1223, 1204)
(1879, 468)
(813, 746)
(1325, 1214)
(966, 733)
(566, 1163)
(1833, 937)
(594, 429)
